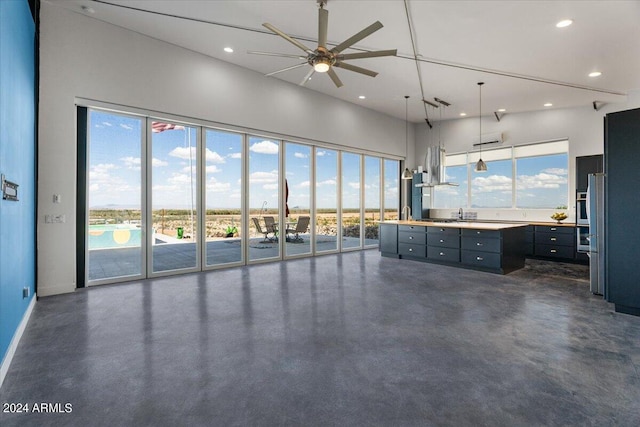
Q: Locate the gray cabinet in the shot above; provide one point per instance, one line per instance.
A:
(555, 242)
(389, 240)
(412, 241)
(584, 166)
(622, 234)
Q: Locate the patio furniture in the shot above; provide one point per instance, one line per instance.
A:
(301, 227)
(262, 231)
(271, 226)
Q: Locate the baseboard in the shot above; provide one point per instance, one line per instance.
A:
(6, 362)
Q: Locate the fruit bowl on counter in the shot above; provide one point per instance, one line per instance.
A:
(559, 216)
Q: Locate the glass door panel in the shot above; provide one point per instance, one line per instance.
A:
(391, 193)
(350, 200)
(264, 199)
(297, 199)
(173, 197)
(326, 200)
(114, 198)
(371, 200)
(223, 198)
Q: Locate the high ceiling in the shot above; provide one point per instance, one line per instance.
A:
(513, 46)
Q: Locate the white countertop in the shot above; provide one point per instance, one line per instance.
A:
(463, 224)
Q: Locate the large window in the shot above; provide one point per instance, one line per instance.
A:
(391, 189)
(540, 180)
(297, 199)
(350, 200)
(326, 200)
(371, 199)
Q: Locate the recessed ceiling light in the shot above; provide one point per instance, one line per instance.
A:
(463, 114)
(501, 110)
(362, 97)
(564, 23)
(548, 104)
(228, 50)
(595, 74)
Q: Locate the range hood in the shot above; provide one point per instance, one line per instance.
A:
(434, 163)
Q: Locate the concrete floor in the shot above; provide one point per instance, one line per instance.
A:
(349, 339)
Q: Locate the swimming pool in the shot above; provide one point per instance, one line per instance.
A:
(114, 236)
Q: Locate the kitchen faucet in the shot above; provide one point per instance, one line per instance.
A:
(460, 214)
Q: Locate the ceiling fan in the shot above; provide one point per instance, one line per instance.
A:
(322, 59)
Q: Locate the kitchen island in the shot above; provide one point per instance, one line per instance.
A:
(487, 246)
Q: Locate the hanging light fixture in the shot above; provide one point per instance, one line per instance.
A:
(407, 174)
(481, 166)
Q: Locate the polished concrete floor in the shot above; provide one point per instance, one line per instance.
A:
(351, 339)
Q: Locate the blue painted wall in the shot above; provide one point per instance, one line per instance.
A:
(17, 163)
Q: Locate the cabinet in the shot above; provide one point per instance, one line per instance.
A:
(584, 166)
(412, 241)
(528, 240)
(555, 242)
(443, 244)
(622, 234)
(389, 240)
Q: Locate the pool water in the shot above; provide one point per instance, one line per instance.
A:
(114, 236)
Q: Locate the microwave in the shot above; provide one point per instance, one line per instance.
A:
(581, 208)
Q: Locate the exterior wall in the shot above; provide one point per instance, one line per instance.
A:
(17, 163)
(84, 58)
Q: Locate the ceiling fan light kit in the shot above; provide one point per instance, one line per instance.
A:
(323, 60)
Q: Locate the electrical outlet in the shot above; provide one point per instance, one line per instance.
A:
(47, 219)
(26, 292)
(59, 219)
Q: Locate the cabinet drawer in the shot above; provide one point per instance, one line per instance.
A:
(493, 234)
(554, 251)
(481, 244)
(444, 240)
(412, 250)
(443, 230)
(555, 239)
(412, 228)
(554, 229)
(482, 259)
(443, 254)
(414, 237)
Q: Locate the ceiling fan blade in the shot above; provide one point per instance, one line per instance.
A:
(307, 76)
(334, 77)
(283, 55)
(287, 69)
(357, 37)
(323, 21)
(286, 37)
(356, 69)
(372, 54)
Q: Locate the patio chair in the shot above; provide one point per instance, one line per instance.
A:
(271, 226)
(264, 232)
(301, 227)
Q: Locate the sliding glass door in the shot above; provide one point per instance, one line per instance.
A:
(351, 196)
(115, 216)
(326, 206)
(174, 197)
(297, 199)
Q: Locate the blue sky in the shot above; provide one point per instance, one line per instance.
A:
(115, 169)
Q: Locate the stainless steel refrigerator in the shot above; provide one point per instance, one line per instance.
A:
(596, 214)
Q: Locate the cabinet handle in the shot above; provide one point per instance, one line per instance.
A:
(441, 240)
(478, 232)
(441, 253)
(442, 229)
(553, 229)
(553, 251)
(479, 258)
(410, 249)
(410, 237)
(478, 244)
(553, 239)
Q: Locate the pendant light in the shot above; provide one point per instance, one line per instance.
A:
(407, 174)
(481, 166)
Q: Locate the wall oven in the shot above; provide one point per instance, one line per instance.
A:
(581, 208)
(582, 236)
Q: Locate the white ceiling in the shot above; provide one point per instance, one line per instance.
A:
(513, 46)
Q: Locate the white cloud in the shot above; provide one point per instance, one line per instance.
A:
(213, 169)
(303, 184)
(264, 147)
(321, 153)
(127, 127)
(131, 162)
(183, 153)
(107, 124)
(181, 179)
(300, 155)
(158, 163)
(263, 177)
(555, 171)
(492, 183)
(215, 186)
(326, 182)
(541, 180)
(235, 155)
(214, 157)
(270, 186)
(354, 185)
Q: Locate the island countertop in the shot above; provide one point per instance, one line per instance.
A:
(461, 224)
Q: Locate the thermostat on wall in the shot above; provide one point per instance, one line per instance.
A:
(9, 190)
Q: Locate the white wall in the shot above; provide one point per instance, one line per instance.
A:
(84, 58)
(582, 126)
